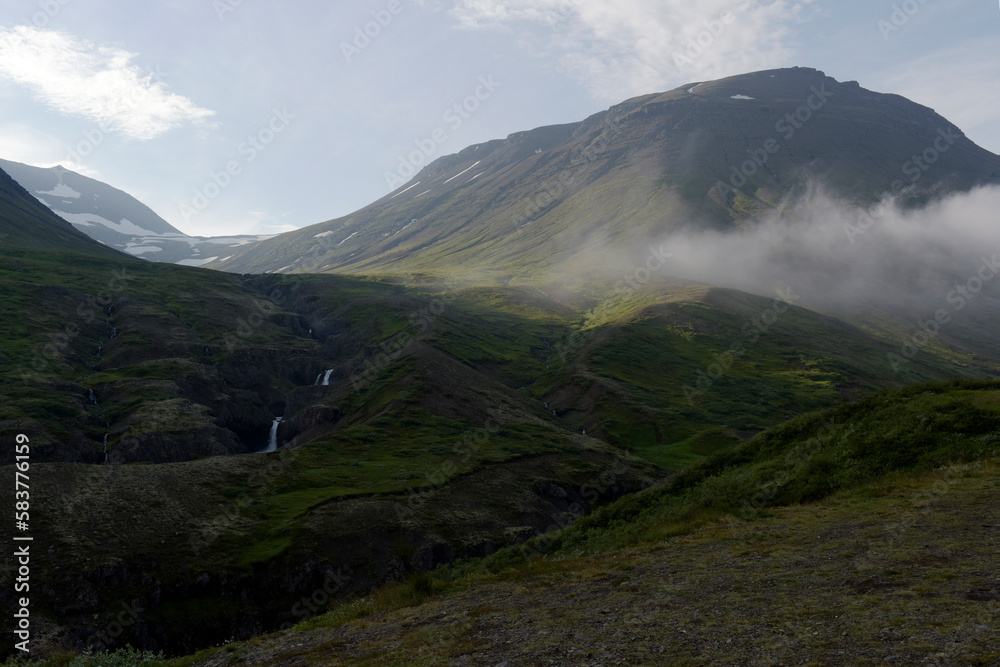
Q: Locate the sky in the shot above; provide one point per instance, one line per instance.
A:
(259, 116)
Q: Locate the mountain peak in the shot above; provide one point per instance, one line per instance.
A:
(711, 154)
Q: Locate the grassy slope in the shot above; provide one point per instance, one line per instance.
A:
(650, 373)
(842, 537)
(201, 355)
(414, 424)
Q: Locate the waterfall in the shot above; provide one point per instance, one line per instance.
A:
(550, 409)
(326, 378)
(106, 447)
(318, 378)
(272, 443)
(93, 399)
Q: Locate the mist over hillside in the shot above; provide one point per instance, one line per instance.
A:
(837, 255)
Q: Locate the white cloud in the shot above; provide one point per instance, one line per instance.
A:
(27, 145)
(620, 48)
(99, 83)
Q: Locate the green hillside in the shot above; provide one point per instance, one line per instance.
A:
(872, 522)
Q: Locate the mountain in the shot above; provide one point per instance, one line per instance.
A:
(706, 155)
(26, 224)
(117, 219)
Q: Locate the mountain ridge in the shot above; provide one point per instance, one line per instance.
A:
(116, 218)
(643, 168)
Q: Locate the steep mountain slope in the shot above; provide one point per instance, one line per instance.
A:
(117, 219)
(707, 155)
(26, 224)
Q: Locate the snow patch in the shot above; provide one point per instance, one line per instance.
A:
(402, 191)
(740, 97)
(459, 174)
(230, 241)
(406, 225)
(346, 240)
(89, 219)
(133, 249)
(691, 89)
(61, 190)
(322, 234)
(197, 262)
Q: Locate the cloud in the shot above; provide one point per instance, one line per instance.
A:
(99, 83)
(841, 257)
(622, 48)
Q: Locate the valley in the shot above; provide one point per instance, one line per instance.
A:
(475, 420)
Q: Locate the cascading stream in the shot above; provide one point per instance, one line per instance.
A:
(272, 442)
